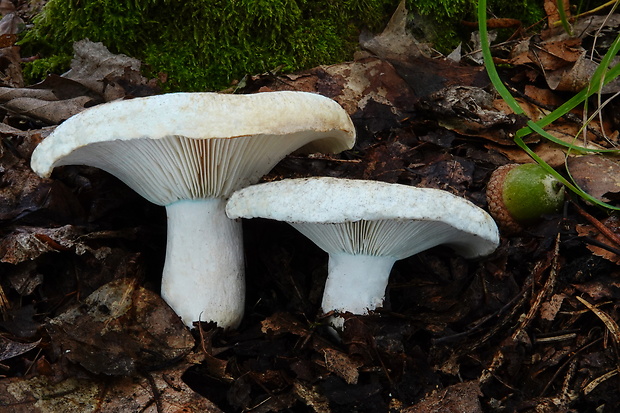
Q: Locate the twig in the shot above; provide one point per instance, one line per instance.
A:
(609, 234)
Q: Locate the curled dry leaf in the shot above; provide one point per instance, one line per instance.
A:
(27, 243)
(9, 93)
(395, 42)
(95, 67)
(10, 348)
(23, 195)
(609, 322)
(49, 112)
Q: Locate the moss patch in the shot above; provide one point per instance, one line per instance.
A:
(205, 44)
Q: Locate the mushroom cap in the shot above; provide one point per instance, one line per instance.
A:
(195, 145)
(370, 217)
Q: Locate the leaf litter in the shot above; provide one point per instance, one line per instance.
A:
(531, 328)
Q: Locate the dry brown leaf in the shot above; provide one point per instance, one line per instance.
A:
(341, 365)
(549, 309)
(458, 398)
(27, 243)
(282, 323)
(395, 42)
(120, 329)
(596, 174)
(551, 9)
(311, 397)
(10, 62)
(8, 93)
(613, 224)
(162, 392)
(550, 56)
(605, 318)
(551, 153)
(96, 68)
(49, 112)
(10, 348)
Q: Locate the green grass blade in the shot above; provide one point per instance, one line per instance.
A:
(573, 187)
(536, 128)
(565, 24)
(488, 60)
(602, 76)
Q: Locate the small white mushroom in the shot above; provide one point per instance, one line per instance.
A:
(366, 226)
(189, 152)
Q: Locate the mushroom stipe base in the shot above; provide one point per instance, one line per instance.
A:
(203, 278)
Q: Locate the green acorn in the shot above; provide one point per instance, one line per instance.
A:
(519, 195)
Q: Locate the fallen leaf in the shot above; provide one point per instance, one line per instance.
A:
(341, 365)
(158, 392)
(10, 62)
(10, 348)
(282, 323)
(95, 67)
(458, 398)
(395, 42)
(49, 112)
(27, 243)
(596, 174)
(120, 329)
(613, 224)
(549, 309)
(609, 322)
(11, 23)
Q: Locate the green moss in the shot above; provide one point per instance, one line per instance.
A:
(205, 44)
(40, 68)
(440, 20)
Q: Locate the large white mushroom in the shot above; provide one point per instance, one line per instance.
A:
(366, 226)
(189, 152)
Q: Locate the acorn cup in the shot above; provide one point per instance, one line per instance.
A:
(520, 195)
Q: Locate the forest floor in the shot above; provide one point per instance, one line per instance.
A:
(531, 328)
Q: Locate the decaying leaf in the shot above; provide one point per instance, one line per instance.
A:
(341, 365)
(119, 330)
(161, 391)
(609, 322)
(10, 62)
(10, 348)
(549, 309)
(612, 224)
(460, 397)
(469, 111)
(597, 175)
(395, 42)
(27, 243)
(50, 112)
(95, 67)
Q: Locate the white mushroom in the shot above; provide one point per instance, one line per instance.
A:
(189, 152)
(366, 226)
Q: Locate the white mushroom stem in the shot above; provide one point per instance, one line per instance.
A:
(355, 284)
(203, 276)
